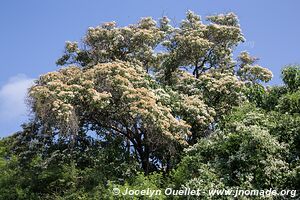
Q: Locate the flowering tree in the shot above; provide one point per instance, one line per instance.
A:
(159, 87)
(154, 106)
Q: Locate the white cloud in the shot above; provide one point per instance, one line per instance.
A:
(12, 103)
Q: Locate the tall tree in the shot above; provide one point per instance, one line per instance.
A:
(159, 87)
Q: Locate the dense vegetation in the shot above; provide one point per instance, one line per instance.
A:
(155, 106)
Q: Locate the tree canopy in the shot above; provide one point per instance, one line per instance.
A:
(153, 105)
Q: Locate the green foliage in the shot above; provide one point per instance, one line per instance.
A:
(291, 77)
(285, 99)
(154, 181)
(45, 168)
(290, 103)
(251, 149)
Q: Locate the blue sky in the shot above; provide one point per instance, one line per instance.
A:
(33, 33)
